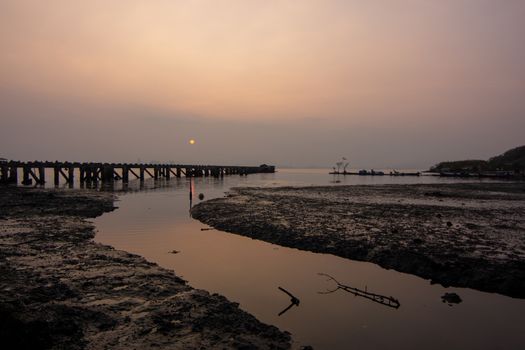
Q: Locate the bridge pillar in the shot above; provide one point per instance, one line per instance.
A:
(107, 173)
(41, 175)
(82, 171)
(25, 176)
(70, 175)
(56, 174)
(93, 173)
(3, 174)
(125, 174)
(13, 175)
(88, 176)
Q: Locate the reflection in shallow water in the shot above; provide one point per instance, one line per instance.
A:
(249, 272)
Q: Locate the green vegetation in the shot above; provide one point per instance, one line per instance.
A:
(512, 160)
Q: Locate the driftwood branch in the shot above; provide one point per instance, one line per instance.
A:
(377, 298)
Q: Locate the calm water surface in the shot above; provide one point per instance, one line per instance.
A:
(155, 222)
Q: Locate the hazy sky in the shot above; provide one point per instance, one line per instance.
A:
(402, 83)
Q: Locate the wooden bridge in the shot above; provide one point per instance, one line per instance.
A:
(90, 173)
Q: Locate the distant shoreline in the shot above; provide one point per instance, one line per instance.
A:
(464, 235)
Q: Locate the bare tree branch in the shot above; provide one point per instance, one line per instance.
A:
(377, 298)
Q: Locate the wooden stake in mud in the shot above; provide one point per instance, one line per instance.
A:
(294, 301)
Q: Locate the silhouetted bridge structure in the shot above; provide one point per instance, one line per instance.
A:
(35, 172)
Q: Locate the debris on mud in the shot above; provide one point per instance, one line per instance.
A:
(451, 298)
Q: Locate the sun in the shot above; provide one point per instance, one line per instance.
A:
(191, 141)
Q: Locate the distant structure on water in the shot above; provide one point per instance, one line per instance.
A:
(343, 165)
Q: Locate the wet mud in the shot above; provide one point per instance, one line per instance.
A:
(464, 235)
(61, 290)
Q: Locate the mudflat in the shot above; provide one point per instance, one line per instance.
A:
(464, 234)
(61, 290)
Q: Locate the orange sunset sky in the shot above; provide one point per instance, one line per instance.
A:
(385, 83)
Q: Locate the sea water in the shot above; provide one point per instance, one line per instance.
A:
(154, 221)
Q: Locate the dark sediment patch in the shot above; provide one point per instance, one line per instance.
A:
(451, 298)
(61, 290)
(465, 235)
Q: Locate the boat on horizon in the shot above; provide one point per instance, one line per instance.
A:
(372, 172)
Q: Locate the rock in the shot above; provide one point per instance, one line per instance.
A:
(451, 298)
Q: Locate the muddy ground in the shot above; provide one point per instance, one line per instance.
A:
(61, 290)
(463, 235)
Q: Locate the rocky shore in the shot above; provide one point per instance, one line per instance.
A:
(464, 235)
(61, 290)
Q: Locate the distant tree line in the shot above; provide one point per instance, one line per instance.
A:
(512, 160)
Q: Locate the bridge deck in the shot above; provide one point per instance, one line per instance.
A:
(109, 172)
